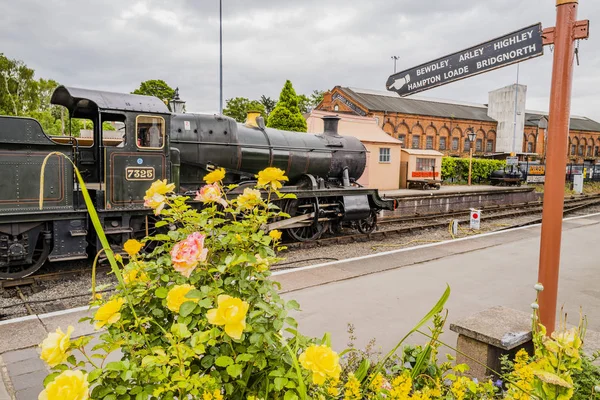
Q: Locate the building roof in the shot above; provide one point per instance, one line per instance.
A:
(392, 102)
(364, 129)
(577, 123)
(376, 100)
(422, 152)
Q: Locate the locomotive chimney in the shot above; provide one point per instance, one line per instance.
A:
(330, 125)
(251, 119)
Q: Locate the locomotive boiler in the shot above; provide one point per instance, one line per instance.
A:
(147, 142)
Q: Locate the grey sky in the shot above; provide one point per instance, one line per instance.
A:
(116, 44)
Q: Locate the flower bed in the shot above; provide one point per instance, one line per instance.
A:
(196, 316)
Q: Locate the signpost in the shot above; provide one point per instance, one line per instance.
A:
(506, 50)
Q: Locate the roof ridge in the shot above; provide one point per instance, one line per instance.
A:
(415, 98)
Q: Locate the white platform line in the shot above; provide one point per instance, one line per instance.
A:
(423, 246)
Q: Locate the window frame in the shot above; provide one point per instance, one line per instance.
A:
(457, 141)
(442, 140)
(412, 142)
(479, 144)
(383, 154)
(489, 146)
(163, 130)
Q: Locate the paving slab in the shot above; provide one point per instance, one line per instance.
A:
(22, 333)
(62, 319)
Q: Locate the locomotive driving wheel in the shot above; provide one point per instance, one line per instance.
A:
(368, 224)
(305, 206)
(21, 270)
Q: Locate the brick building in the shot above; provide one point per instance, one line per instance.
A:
(443, 125)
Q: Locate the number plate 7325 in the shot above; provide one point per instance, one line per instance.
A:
(139, 173)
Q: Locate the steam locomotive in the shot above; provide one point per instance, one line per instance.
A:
(147, 142)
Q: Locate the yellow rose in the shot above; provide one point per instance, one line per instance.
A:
(176, 296)
(271, 177)
(108, 313)
(322, 362)
(230, 312)
(215, 176)
(275, 234)
(134, 274)
(132, 247)
(249, 199)
(160, 187)
(55, 348)
(69, 385)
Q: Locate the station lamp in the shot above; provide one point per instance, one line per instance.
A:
(471, 135)
(177, 105)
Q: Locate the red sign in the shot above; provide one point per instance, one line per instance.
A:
(424, 174)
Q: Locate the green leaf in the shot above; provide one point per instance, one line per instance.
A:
(244, 357)
(161, 292)
(292, 305)
(115, 366)
(234, 370)
(280, 383)
(158, 224)
(194, 294)
(224, 361)
(181, 331)
(50, 378)
(187, 308)
(121, 389)
(95, 374)
(362, 370)
(72, 360)
(290, 395)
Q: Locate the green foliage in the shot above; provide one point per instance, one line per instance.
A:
(238, 108)
(157, 88)
(287, 115)
(304, 103)
(458, 168)
(18, 89)
(268, 103)
(586, 379)
(316, 97)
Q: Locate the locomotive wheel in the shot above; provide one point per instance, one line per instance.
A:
(369, 224)
(40, 254)
(304, 233)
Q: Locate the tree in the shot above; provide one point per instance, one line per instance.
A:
(157, 88)
(19, 93)
(316, 97)
(238, 107)
(304, 104)
(268, 103)
(287, 115)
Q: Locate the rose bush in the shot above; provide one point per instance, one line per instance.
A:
(196, 316)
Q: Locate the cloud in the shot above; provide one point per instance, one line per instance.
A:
(114, 45)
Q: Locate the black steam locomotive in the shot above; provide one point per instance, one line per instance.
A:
(147, 142)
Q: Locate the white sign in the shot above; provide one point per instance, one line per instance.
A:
(578, 183)
(186, 125)
(536, 178)
(475, 219)
(512, 160)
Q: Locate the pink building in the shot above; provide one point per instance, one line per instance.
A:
(383, 157)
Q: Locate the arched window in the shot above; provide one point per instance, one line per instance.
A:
(467, 144)
(417, 132)
(443, 140)
(402, 139)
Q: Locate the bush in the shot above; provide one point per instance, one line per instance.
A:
(458, 168)
(286, 115)
(196, 316)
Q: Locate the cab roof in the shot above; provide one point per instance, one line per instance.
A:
(87, 102)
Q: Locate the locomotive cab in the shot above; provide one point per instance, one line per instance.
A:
(128, 148)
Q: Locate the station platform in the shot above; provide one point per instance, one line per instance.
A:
(383, 295)
(453, 189)
(452, 198)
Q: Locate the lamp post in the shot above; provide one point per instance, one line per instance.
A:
(471, 136)
(395, 58)
(177, 105)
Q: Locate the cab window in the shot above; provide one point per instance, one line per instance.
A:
(150, 132)
(113, 130)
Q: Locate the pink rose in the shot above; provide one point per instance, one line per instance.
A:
(186, 254)
(210, 194)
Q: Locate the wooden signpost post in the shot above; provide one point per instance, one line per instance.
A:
(509, 49)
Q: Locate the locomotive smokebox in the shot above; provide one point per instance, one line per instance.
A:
(330, 125)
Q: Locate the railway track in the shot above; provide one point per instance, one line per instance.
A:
(35, 283)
